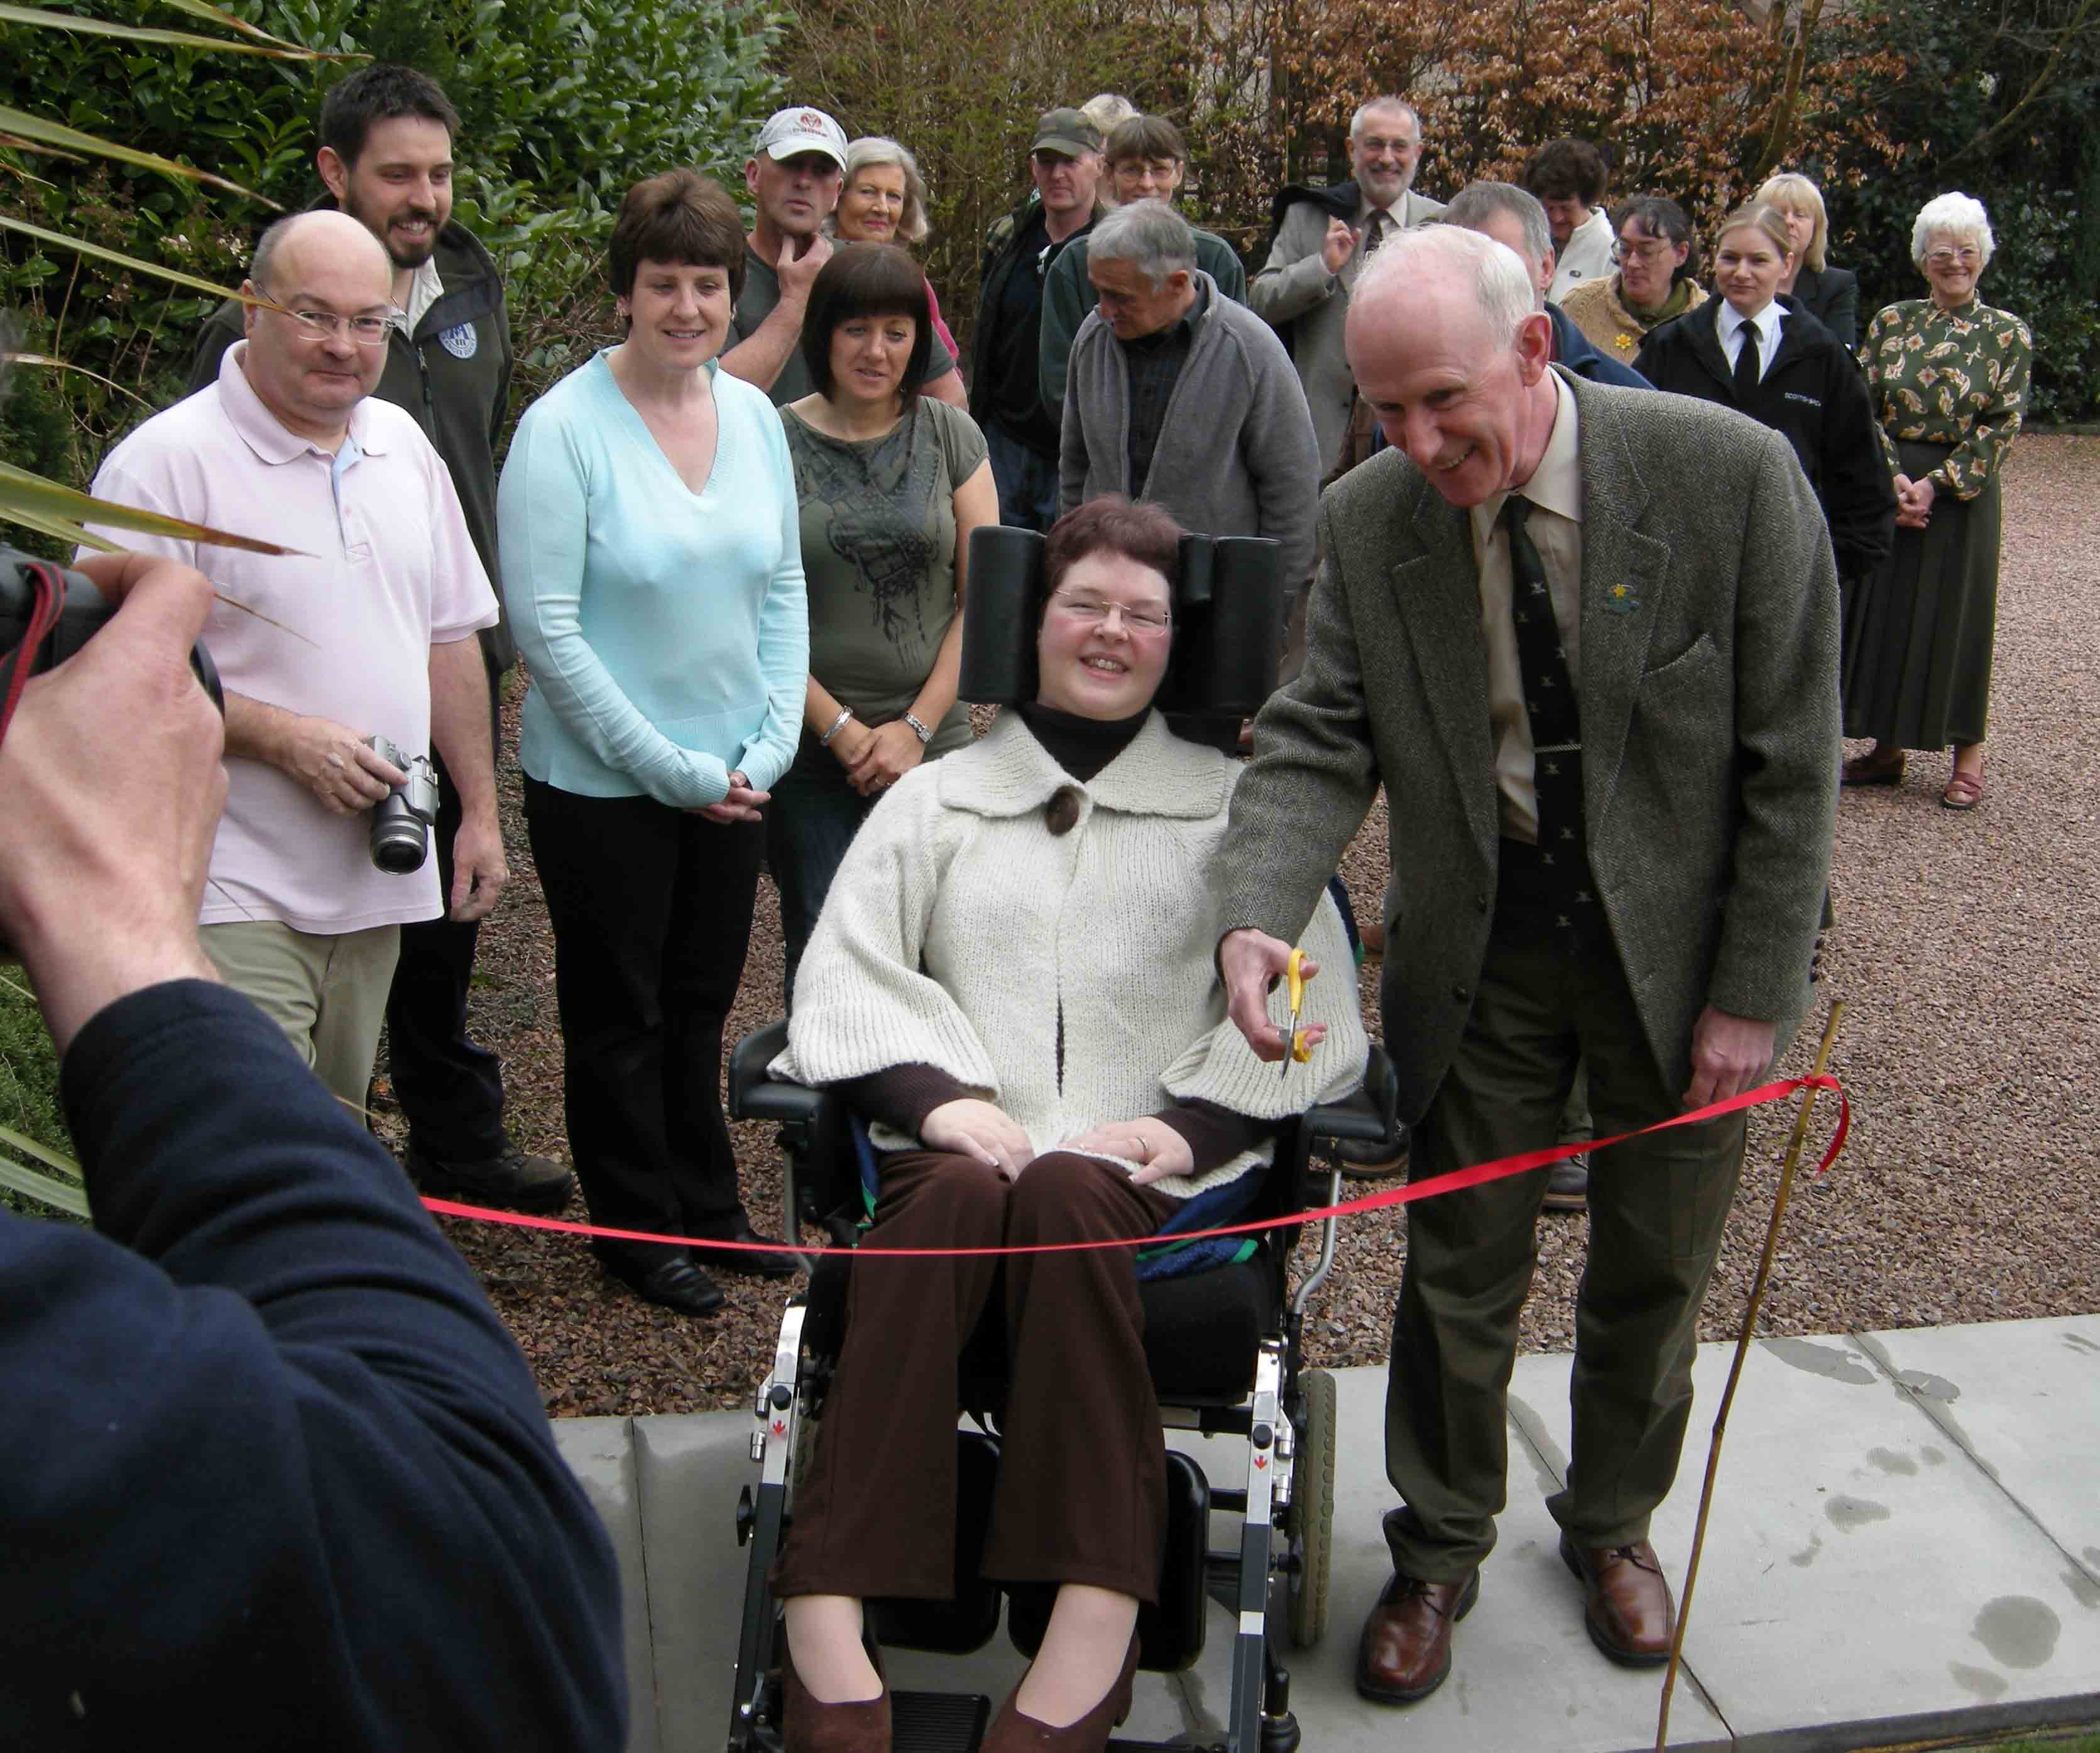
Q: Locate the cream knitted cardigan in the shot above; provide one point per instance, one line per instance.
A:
(959, 930)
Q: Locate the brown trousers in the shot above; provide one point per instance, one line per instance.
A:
(1082, 1493)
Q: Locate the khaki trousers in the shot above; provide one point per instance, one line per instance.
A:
(328, 993)
(1547, 999)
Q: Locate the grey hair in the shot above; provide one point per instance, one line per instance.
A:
(1107, 111)
(1502, 293)
(1477, 203)
(880, 149)
(1954, 215)
(1388, 102)
(1149, 235)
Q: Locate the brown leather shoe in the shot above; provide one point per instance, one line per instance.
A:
(809, 1726)
(1012, 1731)
(1405, 1653)
(1626, 1604)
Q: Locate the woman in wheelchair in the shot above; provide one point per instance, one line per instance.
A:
(1012, 984)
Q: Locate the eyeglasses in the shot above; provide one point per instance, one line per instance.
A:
(1946, 259)
(317, 325)
(1623, 252)
(1095, 612)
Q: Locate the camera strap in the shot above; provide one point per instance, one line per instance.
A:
(43, 616)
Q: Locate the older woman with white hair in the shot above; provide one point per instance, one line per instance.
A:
(1830, 295)
(883, 200)
(1949, 375)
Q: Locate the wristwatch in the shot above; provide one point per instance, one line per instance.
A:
(920, 728)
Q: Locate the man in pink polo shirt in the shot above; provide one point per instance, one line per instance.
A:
(368, 630)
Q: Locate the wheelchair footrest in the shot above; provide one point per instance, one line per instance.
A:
(937, 1722)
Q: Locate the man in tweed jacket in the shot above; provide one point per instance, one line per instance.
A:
(1656, 914)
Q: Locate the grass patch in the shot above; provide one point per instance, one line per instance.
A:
(28, 1084)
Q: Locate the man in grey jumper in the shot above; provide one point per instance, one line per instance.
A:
(1178, 395)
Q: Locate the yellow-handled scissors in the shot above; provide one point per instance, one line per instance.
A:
(1295, 1039)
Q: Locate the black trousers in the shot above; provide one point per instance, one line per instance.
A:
(450, 1090)
(651, 912)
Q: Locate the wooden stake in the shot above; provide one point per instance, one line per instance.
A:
(1792, 1162)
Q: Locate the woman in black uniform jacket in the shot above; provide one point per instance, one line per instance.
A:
(1800, 382)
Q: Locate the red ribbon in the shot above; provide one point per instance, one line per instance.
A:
(1478, 1175)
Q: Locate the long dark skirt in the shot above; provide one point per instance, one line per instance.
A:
(1918, 634)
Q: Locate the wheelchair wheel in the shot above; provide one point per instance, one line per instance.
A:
(1309, 1523)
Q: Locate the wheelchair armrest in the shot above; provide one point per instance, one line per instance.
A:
(754, 1095)
(1368, 1114)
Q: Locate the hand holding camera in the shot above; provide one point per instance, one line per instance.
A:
(111, 786)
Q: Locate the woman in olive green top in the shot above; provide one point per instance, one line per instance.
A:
(1948, 376)
(890, 485)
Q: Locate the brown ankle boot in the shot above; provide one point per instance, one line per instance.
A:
(1011, 1732)
(808, 1726)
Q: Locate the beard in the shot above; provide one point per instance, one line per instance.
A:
(401, 252)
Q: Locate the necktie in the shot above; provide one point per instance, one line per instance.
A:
(1555, 718)
(1381, 221)
(1746, 366)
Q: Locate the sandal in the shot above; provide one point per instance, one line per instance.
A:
(1964, 792)
(1874, 767)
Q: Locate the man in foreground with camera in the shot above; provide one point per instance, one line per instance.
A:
(275, 1475)
(363, 639)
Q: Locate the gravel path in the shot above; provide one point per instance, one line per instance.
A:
(1967, 952)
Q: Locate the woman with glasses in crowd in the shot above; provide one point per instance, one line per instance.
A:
(883, 200)
(1655, 277)
(1012, 984)
(890, 485)
(652, 562)
(1756, 350)
(1830, 295)
(1948, 377)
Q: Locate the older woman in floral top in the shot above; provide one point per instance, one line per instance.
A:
(1949, 375)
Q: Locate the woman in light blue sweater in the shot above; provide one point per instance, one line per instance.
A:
(652, 565)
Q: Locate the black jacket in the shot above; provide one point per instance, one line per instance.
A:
(453, 375)
(1814, 396)
(1832, 297)
(1002, 254)
(274, 1475)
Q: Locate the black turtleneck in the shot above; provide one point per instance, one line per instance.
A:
(1083, 746)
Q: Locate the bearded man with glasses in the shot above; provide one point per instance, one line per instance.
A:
(367, 630)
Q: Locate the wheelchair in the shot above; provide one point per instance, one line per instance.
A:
(1223, 1344)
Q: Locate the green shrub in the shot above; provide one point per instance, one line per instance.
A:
(561, 110)
(29, 1083)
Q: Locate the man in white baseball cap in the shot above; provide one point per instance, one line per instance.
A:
(795, 174)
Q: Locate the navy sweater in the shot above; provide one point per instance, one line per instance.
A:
(271, 1472)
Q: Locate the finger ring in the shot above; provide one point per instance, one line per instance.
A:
(335, 760)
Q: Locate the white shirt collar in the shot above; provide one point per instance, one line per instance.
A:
(1767, 323)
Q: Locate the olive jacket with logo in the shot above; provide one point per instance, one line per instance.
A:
(453, 374)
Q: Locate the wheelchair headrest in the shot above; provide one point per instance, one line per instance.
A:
(1228, 622)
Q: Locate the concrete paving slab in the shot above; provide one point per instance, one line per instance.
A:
(600, 1452)
(2023, 1398)
(1864, 1581)
(689, 1469)
(1524, 1673)
(1835, 1607)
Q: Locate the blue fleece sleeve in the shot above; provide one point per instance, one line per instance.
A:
(275, 1473)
